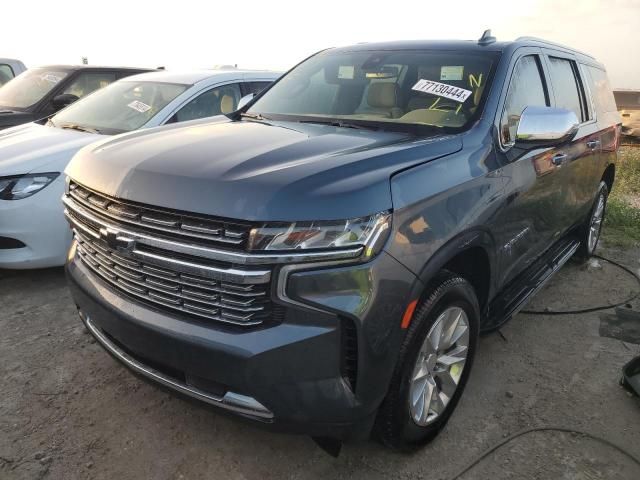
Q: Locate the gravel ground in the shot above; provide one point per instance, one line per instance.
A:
(68, 410)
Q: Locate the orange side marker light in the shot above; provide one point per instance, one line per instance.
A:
(408, 314)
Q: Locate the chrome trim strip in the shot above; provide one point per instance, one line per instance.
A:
(211, 252)
(225, 275)
(230, 401)
(146, 220)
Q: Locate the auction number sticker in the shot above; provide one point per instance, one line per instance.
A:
(50, 77)
(442, 90)
(139, 106)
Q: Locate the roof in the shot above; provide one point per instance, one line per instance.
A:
(92, 67)
(195, 76)
(460, 45)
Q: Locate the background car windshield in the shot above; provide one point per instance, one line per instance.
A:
(442, 89)
(30, 87)
(121, 107)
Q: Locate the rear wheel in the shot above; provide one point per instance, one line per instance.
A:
(590, 232)
(433, 366)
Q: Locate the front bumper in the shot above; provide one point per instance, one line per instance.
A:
(288, 377)
(38, 222)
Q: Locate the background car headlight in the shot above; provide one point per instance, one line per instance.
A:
(23, 186)
(369, 232)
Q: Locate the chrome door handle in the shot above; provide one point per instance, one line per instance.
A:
(593, 144)
(558, 159)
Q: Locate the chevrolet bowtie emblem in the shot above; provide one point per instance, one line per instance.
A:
(117, 241)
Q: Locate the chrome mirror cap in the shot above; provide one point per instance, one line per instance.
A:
(545, 126)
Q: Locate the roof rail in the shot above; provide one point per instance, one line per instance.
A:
(552, 44)
(486, 38)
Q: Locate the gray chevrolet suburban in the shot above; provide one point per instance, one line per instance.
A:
(323, 260)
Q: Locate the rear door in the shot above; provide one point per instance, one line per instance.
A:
(578, 169)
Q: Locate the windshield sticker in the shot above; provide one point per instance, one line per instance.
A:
(50, 77)
(346, 72)
(451, 73)
(442, 90)
(138, 106)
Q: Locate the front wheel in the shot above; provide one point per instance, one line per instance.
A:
(433, 366)
(590, 232)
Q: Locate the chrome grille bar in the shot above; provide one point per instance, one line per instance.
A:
(82, 217)
(171, 223)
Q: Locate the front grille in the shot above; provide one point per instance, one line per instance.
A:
(164, 222)
(130, 260)
(190, 294)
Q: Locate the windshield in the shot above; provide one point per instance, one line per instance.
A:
(30, 87)
(121, 107)
(383, 89)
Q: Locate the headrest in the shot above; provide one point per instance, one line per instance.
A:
(227, 104)
(382, 95)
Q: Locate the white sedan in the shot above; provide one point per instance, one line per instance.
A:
(33, 231)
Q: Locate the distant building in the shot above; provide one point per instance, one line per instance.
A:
(628, 102)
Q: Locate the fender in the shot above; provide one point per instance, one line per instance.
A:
(466, 240)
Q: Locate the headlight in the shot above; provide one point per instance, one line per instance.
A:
(369, 232)
(23, 186)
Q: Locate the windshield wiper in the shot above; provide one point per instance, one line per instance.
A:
(343, 124)
(253, 116)
(73, 126)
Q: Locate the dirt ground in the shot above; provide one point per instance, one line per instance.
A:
(68, 410)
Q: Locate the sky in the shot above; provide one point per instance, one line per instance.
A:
(277, 34)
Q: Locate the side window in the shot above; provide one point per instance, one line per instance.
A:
(254, 87)
(565, 86)
(6, 73)
(526, 89)
(601, 90)
(217, 101)
(86, 83)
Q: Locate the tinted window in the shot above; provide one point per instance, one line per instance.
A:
(565, 86)
(526, 89)
(601, 90)
(6, 73)
(254, 87)
(217, 101)
(86, 83)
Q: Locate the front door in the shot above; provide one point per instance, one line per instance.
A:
(528, 222)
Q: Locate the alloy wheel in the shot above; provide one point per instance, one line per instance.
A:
(439, 366)
(596, 223)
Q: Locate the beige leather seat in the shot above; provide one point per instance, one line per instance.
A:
(227, 104)
(382, 100)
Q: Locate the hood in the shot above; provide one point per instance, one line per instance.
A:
(256, 171)
(10, 118)
(37, 148)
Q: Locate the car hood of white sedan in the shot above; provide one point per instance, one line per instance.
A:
(39, 149)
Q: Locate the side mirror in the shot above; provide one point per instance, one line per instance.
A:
(64, 100)
(545, 127)
(244, 100)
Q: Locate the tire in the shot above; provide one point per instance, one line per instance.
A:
(396, 425)
(589, 238)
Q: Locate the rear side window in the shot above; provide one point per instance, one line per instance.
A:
(254, 87)
(6, 73)
(601, 90)
(526, 89)
(565, 86)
